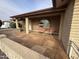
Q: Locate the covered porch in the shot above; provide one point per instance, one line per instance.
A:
(40, 29)
(43, 21)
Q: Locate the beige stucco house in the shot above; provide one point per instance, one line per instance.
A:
(61, 20)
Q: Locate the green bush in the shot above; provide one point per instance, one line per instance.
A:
(13, 25)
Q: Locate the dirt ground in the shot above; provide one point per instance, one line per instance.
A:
(42, 43)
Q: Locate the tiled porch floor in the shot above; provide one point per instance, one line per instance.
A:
(42, 43)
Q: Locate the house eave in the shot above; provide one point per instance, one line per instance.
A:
(40, 12)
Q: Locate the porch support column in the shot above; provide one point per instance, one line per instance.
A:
(61, 26)
(17, 25)
(27, 25)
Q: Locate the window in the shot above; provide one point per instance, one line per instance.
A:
(44, 23)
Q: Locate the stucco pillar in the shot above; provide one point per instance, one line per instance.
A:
(60, 27)
(27, 25)
(17, 25)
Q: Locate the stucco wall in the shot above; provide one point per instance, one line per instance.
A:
(66, 24)
(54, 23)
(35, 23)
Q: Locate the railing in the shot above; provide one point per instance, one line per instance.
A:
(73, 50)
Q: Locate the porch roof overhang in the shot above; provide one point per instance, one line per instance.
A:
(41, 13)
(60, 3)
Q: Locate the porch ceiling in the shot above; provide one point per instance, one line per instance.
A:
(41, 13)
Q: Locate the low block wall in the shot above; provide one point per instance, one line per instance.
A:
(15, 50)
